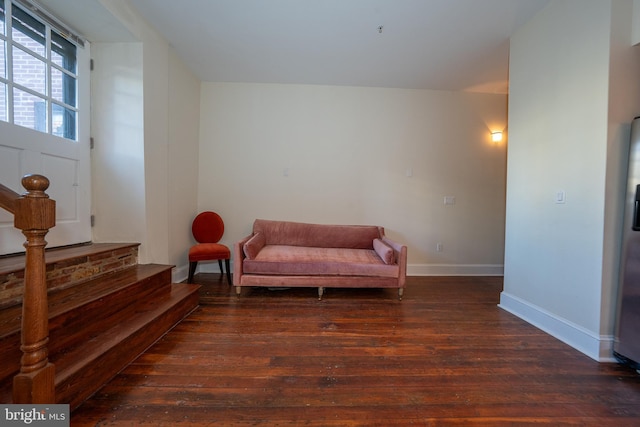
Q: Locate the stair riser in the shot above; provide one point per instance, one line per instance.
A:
(81, 324)
(84, 322)
(67, 272)
(85, 382)
(10, 355)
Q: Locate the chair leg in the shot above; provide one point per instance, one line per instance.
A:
(227, 264)
(221, 270)
(192, 270)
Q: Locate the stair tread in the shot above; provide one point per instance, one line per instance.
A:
(71, 361)
(97, 325)
(81, 357)
(65, 300)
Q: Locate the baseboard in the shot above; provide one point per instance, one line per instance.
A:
(179, 274)
(597, 347)
(455, 270)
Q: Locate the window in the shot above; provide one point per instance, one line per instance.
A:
(38, 74)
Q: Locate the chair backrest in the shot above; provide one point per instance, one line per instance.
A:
(207, 227)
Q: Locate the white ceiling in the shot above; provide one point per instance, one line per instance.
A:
(424, 44)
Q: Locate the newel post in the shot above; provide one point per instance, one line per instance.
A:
(35, 215)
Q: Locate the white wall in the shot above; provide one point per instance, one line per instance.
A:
(560, 259)
(155, 63)
(346, 152)
(169, 131)
(182, 174)
(118, 182)
(342, 155)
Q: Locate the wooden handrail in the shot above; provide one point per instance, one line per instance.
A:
(8, 198)
(34, 213)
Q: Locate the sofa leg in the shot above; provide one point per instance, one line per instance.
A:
(238, 290)
(320, 292)
(400, 292)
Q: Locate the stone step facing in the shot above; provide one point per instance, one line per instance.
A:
(99, 325)
(66, 267)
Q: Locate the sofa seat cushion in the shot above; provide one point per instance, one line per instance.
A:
(310, 261)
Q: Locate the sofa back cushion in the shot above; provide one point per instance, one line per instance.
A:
(317, 235)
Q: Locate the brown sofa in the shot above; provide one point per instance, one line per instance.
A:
(293, 254)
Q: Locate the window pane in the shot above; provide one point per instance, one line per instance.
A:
(39, 67)
(3, 60)
(63, 53)
(29, 111)
(29, 71)
(63, 121)
(63, 87)
(3, 102)
(2, 20)
(28, 31)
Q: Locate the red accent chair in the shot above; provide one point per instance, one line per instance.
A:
(207, 229)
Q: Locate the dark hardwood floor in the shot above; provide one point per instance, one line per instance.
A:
(444, 356)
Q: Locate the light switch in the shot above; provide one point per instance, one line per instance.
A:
(560, 197)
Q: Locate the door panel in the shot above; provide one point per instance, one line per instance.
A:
(64, 186)
(65, 164)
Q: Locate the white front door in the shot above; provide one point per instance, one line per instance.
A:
(66, 165)
(64, 162)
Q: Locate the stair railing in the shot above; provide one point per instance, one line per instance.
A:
(34, 213)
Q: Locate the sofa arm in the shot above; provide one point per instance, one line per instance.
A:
(238, 257)
(401, 259)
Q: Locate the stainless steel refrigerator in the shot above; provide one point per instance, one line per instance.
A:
(627, 344)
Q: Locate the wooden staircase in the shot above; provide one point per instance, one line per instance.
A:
(98, 325)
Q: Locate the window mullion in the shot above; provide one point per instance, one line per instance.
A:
(9, 59)
(48, 83)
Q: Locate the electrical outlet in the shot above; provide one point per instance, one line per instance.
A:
(439, 247)
(449, 200)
